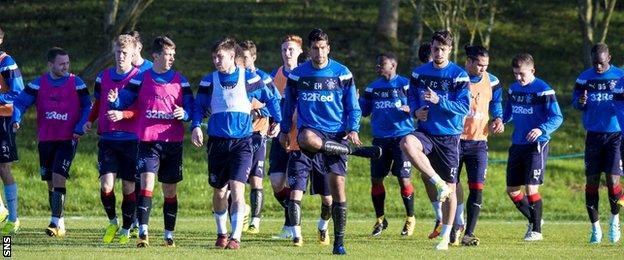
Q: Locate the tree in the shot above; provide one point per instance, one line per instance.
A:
(417, 25)
(475, 24)
(594, 17)
(388, 20)
(115, 22)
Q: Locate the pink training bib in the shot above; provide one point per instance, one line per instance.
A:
(104, 124)
(156, 102)
(58, 109)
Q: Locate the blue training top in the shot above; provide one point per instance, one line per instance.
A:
(382, 100)
(451, 85)
(599, 112)
(532, 106)
(326, 99)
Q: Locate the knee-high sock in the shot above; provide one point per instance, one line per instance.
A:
(378, 195)
(10, 192)
(282, 199)
(407, 194)
(128, 207)
(58, 202)
(473, 208)
(221, 221)
(236, 217)
(256, 199)
(615, 192)
(294, 214)
(144, 210)
(331, 147)
(339, 214)
(592, 198)
(170, 212)
(535, 207)
(108, 201)
(325, 216)
(522, 204)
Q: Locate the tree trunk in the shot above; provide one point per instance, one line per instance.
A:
(417, 24)
(594, 29)
(114, 25)
(388, 19)
(488, 30)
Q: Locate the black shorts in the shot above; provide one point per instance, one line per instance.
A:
(228, 159)
(56, 157)
(602, 153)
(303, 169)
(118, 156)
(258, 149)
(392, 159)
(161, 158)
(527, 164)
(278, 157)
(443, 153)
(475, 155)
(8, 148)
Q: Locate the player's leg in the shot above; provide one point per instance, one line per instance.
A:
(445, 161)
(107, 196)
(63, 153)
(238, 169)
(337, 169)
(299, 169)
(533, 180)
(256, 195)
(8, 155)
(170, 212)
(432, 194)
(416, 146)
(10, 192)
(516, 170)
(219, 209)
(401, 168)
(312, 141)
(476, 167)
(326, 212)
(379, 169)
(128, 174)
(613, 162)
(128, 209)
(108, 165)
(218, 158)
(593, 167)
(145, 204)
(278, 160)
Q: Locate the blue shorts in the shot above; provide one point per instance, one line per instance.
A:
(8, 151)
(475, 155)
(228, 159)
(526, 164)
(56, 157)
(162, 158)
(118, 156)
(278, 157)
(602, 153)
(258, 150)
(303, 169)
(443, 153)
(392, 159)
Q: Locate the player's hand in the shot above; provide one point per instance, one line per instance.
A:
(197, 137)
(16, 127)
(178, 112)
(354, 138)
(274, 130)
(533, 134)
(114, 115)
(431, 96)
(497, 126)
(113, 94)
(76, 137)
(422, 113)
(583, 98)
(86, 128)
(284, 140)
(405, 108)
